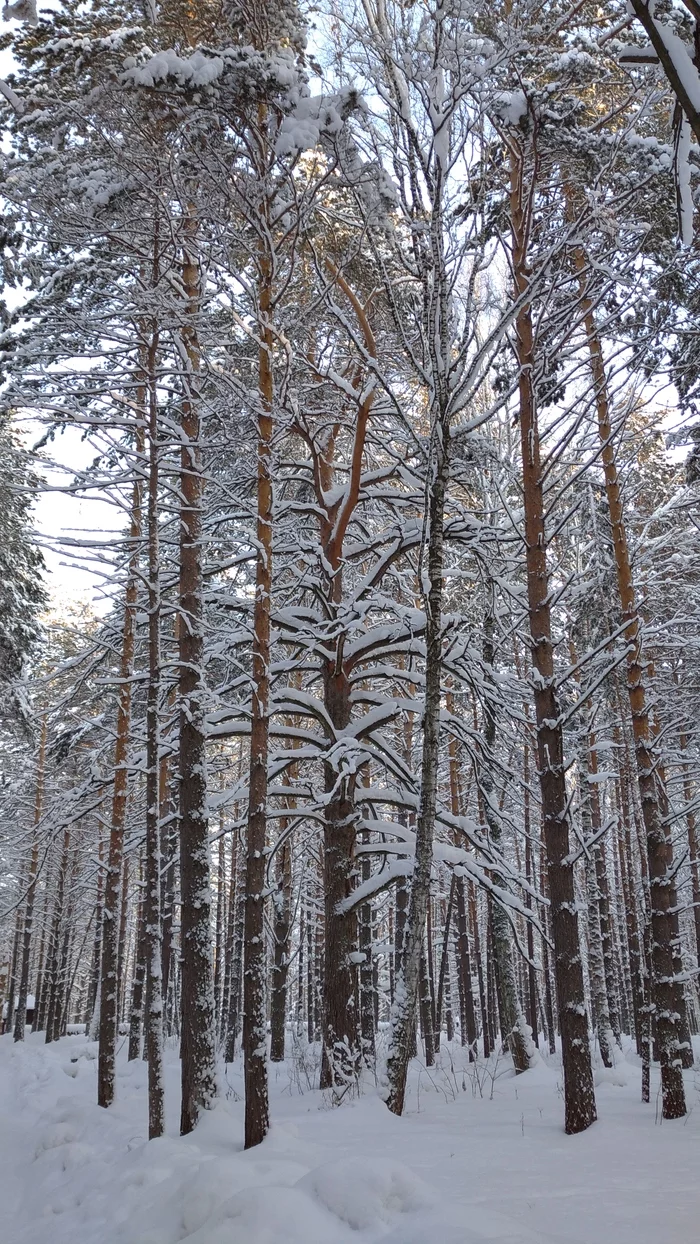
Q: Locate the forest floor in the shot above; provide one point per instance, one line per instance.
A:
(479, 1156)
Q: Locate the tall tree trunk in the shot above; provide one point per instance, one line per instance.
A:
(404, 1008)
(137, 986)
(169, 840)
(282, 932)
(53, 966)
(630, 894)
(579, 1095)
(122, 940)
(220, 926)
(443, 974)
(26, 942)
(234, 948)
(658, 838)
(426, 1010)
(108, 984)
(91, 1009)
(12, 975)
(529, 877)
(42, 961)
(197, 1038)
(367, 992)
(596, 966)
(151, 899)
(513, 1029)
(340, 1046)
(691, 826)
(257, 1119)
(483, 1001)
(468, 1025)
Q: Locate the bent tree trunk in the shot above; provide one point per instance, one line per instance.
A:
(579, 1095)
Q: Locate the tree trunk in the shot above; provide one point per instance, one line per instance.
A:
(658, 838)
(137, 984)
(529, 877)
(596, 967)
(367, 993)
(282, 932)
(197, 1044)
(220, 927)
(42, 962)
(426, 1011)
(443, 974)
(169, 838)
(108, 984)
(630, 895)
(53, 968)
(12, 975)
(483, 1000)
(404, 1008)
(257, 1119)
(579, 1095)
(513, 1028)
(26, 941)
(91, 1009)
(151, 900)
(340, 1045)
(233, 959)
(691, 826)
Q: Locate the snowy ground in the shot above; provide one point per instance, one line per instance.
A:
(475, 1159)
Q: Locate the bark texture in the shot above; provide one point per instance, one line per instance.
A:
(579, 1095)
(197, 1032)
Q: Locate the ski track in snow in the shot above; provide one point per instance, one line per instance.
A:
(459, 1168)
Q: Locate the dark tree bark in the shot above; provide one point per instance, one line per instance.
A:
(512, 1019)
(28, 922)
(340, 1038)
(151, 899)
(404, 1010)
(443, 975)
(220, 926)
(137, 987)
(658, 839)
(479, 958)
(197, 1047)
(282, 932)
(257, 1119)
(92, 1008)
(529, 877)
(367, 966)
(109, 949)
(12, 975)
(579, 1095)
(425, 1008)
(53, 974)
